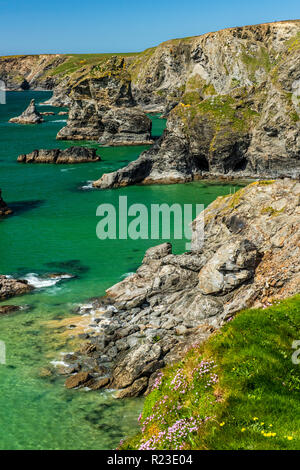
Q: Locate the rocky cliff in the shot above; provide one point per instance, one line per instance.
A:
(232, 99)
(249, 258)
(103, 108)
(11, 287)
(30, 71)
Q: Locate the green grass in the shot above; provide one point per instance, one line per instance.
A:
(77, 61)
(247, 397)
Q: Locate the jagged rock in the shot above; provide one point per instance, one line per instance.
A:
(29, 116)
(103, 108)
(125, 126)
(4, 209)
(77, 380)
(249, 256)
(136, 389)
(233, 107)
(142, 360)
(97, 384)
(11, 287)
(228, 268)
(31, 71)
(70, 155)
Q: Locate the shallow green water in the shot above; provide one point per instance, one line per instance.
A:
(53, 229)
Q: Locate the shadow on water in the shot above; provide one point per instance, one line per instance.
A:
(24, 206)
(73, 265)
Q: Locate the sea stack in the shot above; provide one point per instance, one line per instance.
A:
(4, 210)
(29, 116)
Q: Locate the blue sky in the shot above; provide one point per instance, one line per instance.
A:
(37, 26)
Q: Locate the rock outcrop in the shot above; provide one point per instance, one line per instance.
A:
(4, 209)
(11, 287)
(103, 108)
(232, 99)
(69, 155)
(29, 116)
(249, 258)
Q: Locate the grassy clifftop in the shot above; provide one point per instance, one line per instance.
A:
(240, 390)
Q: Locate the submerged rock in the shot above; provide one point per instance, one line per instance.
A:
(70, 155)
(249, 258)
(6, 309)
(4, 209)
(29, 116)
(11, 287)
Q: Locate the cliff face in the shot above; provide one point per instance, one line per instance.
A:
(232, 99)
(249, 258)
(103, 108)
(30, 71)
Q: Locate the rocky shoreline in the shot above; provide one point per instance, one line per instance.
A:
(250, 258)
(12, 287)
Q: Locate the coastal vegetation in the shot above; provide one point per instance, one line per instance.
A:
(239, 390)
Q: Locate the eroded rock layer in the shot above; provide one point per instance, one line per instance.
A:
(69, 155)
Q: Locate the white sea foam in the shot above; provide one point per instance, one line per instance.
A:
(40, 283)
(88, 185)
(126, 275)
(67, 169)
(59, 120)
(59, 363)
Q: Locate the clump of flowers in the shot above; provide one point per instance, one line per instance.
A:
(175, 436)
(179, 382)
(157, 382)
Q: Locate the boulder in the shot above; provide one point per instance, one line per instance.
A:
(77, 380)
(136, 389)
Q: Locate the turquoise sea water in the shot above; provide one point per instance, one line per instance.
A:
(53, 229)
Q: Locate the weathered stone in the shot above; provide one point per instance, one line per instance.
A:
(97, 384)
(77, 380)
(11, 287)
(134, 390)
(69, 155)
(29, 116)
(142, 360)
(228, 268)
